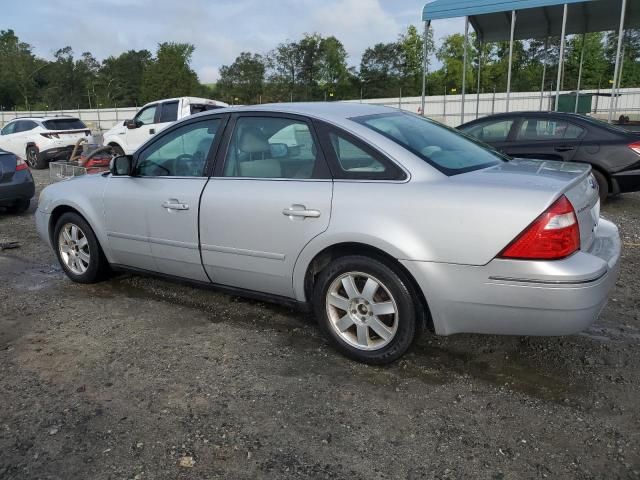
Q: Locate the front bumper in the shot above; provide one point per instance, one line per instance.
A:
(515, 297)
(21, 187)
(42, 225)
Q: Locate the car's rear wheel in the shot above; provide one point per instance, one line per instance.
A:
(34, 159)
(603, 185)
(78, 250)
(366, 308)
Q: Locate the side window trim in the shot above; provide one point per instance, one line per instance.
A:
(213, 150)
(336, 170)
(322, 172)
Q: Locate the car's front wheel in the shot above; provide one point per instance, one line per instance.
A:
(34, 159)
(78, 250)
(366, 308)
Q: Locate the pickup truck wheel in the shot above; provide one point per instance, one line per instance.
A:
(78, 250)
(366, 309)
(116, 149)
(603, 185)
(34, 158)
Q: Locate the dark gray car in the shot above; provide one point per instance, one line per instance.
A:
(16, 183)
(613, 153)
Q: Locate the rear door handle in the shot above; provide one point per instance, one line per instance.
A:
(152, 131)
(564, 148)
(303, 212)
(172, 205)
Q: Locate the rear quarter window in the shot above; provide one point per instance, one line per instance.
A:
(64, 124)
(444, 148)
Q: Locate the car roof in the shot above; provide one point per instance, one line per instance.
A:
(537, 113)
(331, 111)
(40, 119)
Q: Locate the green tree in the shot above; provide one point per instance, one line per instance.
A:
(18, 70)
(333, 72)
(380, 70)
(243, 79)
(119, 81)
(170, 73)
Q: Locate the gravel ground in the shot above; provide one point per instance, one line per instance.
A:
(138, 378)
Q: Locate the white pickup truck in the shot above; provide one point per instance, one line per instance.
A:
(126, 137)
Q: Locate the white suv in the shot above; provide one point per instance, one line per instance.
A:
(127, 136)
(42, 139)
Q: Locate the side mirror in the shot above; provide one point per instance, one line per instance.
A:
(279, 150)
(130, 124)
(121, 166)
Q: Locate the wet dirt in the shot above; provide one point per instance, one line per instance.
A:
(127, 378)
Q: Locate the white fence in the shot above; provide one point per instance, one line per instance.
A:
(447, 108)
(444, 108)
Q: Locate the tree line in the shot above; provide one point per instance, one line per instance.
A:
(311, 68)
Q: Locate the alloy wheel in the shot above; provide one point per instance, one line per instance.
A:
(74, 248)
(362, 311)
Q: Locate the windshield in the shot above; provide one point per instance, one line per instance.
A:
(442, 147)
(64, 124)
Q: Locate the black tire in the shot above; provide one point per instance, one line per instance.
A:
(34, 159)
(20, 206)
(98, 266)
(116, 149)
(603, 185)
(397, 286)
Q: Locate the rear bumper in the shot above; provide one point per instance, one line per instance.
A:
(57, 153)
(514, 297)
(628, 181)
(21, 187)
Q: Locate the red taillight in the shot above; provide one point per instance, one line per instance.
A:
(553, 235)
(635, 146)
(21, 164)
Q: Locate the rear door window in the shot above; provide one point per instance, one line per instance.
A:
(492, 131)
(542, 129)
(169, 112)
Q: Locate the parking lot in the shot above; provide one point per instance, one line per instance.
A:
(142, 378)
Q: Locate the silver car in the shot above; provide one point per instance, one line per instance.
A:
(383, 222)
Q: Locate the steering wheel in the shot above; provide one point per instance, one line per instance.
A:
(186, 165)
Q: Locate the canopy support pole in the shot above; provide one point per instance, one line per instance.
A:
(584, 38)
(464, 66)
(513, 27)
(561, 58)
(425, 54)
(479, 70)
(544, 70)
(615, 105)
(617, 67)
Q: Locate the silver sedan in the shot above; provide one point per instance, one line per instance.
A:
(382, 222)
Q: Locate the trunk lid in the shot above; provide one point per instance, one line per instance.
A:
(544, 181)
(7, 166)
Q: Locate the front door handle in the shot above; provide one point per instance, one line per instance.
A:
(564, 148)
(173, 205)
(301, 212)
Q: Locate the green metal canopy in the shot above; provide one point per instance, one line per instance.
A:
(491, 19)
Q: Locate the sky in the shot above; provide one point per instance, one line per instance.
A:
(219, 29)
